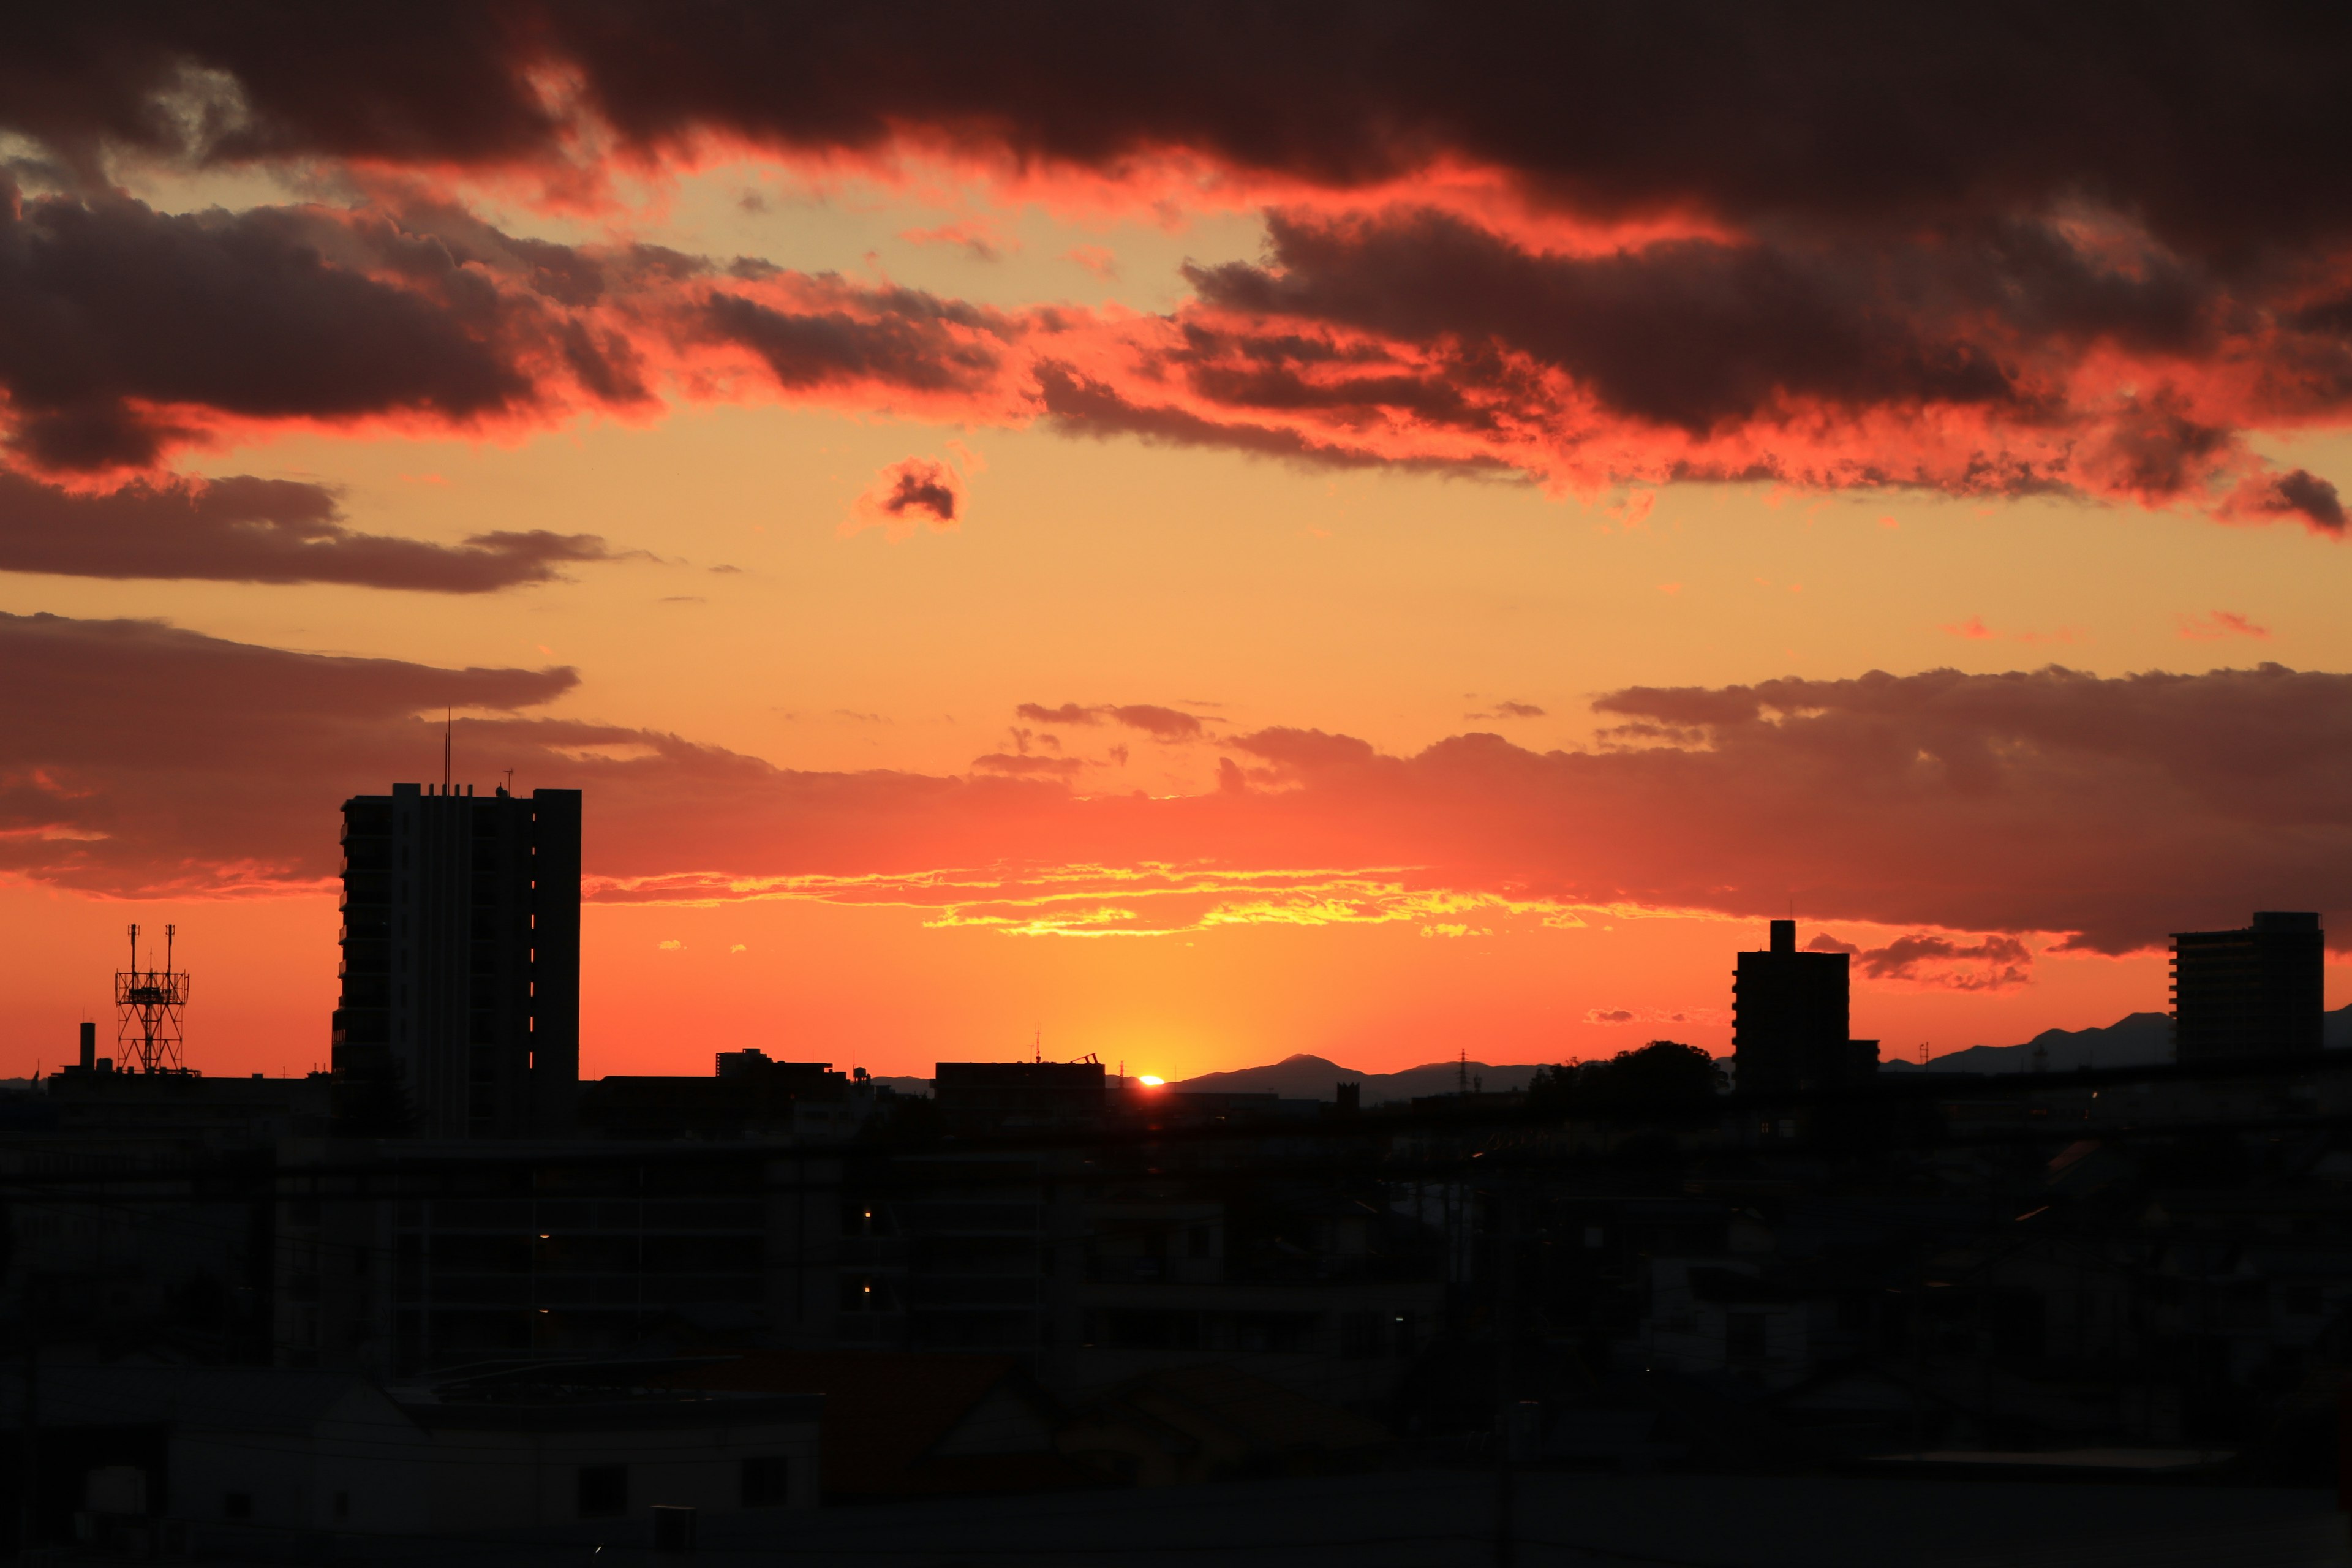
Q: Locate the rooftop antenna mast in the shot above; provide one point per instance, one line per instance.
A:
(147, 1005)
(1037, 1044)
(449, 731)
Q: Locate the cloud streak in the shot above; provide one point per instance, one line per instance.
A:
(135, 757)
(1168, 725)
(244, 530)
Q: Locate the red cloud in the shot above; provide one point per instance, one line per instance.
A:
(1753, 130)
(2026, 357)
(2219, 624)
(1022, 765)
(1166, 724)
(1994, 963)
(1461, 273)
(976, 238)
(247, 530)
(910, 493)
(134, 757)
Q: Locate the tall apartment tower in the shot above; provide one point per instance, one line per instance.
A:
(1790, 1018)
(2251, 993)
(460, 1009)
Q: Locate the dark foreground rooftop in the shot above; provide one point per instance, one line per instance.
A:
(1445, 1519)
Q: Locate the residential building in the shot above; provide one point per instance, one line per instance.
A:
(419, 1256)
(1790, 1022)
(2249, 992)
(460, 1016)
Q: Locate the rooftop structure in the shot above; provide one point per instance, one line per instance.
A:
(147, 1007)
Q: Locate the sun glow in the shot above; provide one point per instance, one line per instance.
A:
(1147, 1081)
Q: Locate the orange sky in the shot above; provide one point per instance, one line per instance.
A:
(1159, 508)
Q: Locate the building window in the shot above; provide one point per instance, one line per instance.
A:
(604, 1491)
(237, 1505)
(767, 1481)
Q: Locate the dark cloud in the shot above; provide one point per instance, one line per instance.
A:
(244, 530)
(138, 756)
(2002, 353)
(1309, 751)
(1990, 963)
(922, 495)
(1993, 963)
(1977, 335)
(2225, 127)
(111, 314)
(1686, 332)
(1067, 713)
(898, 338)
(2297, 493)
(910, 493)
(141, 758)
(1022, 765)
(1159, 723)
(1164, 724)
(1077, 404)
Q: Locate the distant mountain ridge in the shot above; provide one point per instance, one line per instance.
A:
(2135, 1039)
(1306, 1076)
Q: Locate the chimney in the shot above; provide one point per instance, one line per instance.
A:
(89, 1047)
(1784, 936)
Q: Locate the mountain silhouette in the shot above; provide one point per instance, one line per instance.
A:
(2135, 1039)
(1306, 1077)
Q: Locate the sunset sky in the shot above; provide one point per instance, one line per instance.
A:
(1201, 533)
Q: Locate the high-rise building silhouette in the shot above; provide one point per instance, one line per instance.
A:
(460, 1008)
(2250, 993)
(1790, 1018)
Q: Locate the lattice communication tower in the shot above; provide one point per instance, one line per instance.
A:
(147, 1005)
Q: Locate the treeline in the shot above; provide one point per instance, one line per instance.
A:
(1663, 1080)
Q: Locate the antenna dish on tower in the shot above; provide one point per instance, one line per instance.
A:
(147, 1005)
